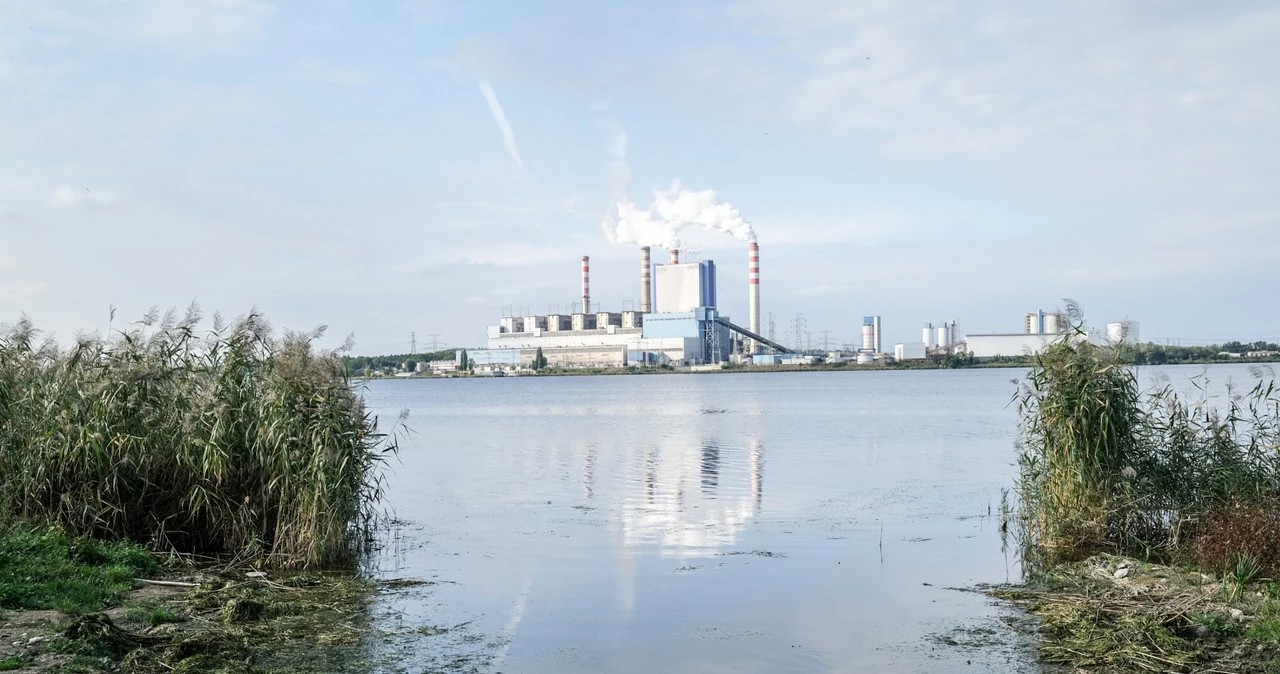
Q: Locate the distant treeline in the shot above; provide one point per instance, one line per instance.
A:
(359, 365)
(1160, 354)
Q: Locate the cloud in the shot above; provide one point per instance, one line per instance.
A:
(508, 136)
(75, 196)
(511, 255)
(18, 291)
(187, 26)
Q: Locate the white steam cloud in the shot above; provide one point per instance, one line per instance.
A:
(508, 136)
(673, 210)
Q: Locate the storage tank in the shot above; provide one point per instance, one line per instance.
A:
(869, 338)
(944, 336)
(927, 336)
(1054, 324)
(866, 358)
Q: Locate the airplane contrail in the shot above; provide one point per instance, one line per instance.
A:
(508, 135)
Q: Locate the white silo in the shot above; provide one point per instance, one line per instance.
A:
(1054, 323)
(944, 336)
(1123, 331)
(868, 337)
(927, 336)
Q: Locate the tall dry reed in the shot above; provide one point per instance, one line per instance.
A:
(1106, 465)
(225, 441)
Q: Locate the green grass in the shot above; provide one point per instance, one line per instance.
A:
(48, 569)
(1266, 625)
(11, 663)
(153, 614)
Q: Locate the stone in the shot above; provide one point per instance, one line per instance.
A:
(1236, 614)
(256, 574)
(1122, 573)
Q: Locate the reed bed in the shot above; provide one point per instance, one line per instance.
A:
(220, 441)
(1107, 466)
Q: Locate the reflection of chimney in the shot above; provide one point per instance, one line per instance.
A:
(753, 289)
(586, 285)
(757, 472)
(675, 256)
(646, 281)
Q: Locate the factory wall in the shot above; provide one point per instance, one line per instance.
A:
(990, 346)
(909, 351)
(611, 336)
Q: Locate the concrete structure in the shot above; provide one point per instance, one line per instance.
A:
(753, 291)
(866, 358)
(1045, 323)
(1020, 344)
(646, 281)
(929, 336)
(909, 351)
(1122, 331)
(586, 284)
(685, 287)
(871, 334)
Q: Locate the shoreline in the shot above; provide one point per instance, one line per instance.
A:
(739, 369)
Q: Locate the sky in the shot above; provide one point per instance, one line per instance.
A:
(388, 168)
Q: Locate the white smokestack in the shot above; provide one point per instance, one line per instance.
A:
(646, 281)
(586, 284)
(673, 210)
(675, 256)
(753, 288)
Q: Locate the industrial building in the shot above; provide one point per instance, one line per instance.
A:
(943, 338)
(1040, 329)
(1045, 323)
(1009, 344)
(679, 324)
(1122, 331)
(909, 351)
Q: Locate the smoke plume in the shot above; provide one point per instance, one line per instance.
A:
(673, 210)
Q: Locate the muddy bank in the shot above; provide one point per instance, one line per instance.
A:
(1115, 614)
(226, 623)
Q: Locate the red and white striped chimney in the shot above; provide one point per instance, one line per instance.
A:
(586, 285)
(753, 287)
(675, 256)
(646, 281)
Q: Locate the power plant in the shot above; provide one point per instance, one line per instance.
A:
(679, 323)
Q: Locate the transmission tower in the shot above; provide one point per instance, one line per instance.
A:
(799, 328)
(772, 334)
(826, 340)
(435, 343)
(413, 342)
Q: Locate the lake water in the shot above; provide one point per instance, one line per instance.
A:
(761, 522)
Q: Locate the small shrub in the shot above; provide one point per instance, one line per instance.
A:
(1241, 530)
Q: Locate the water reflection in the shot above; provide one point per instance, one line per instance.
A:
(694, 498)
(583, 525)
